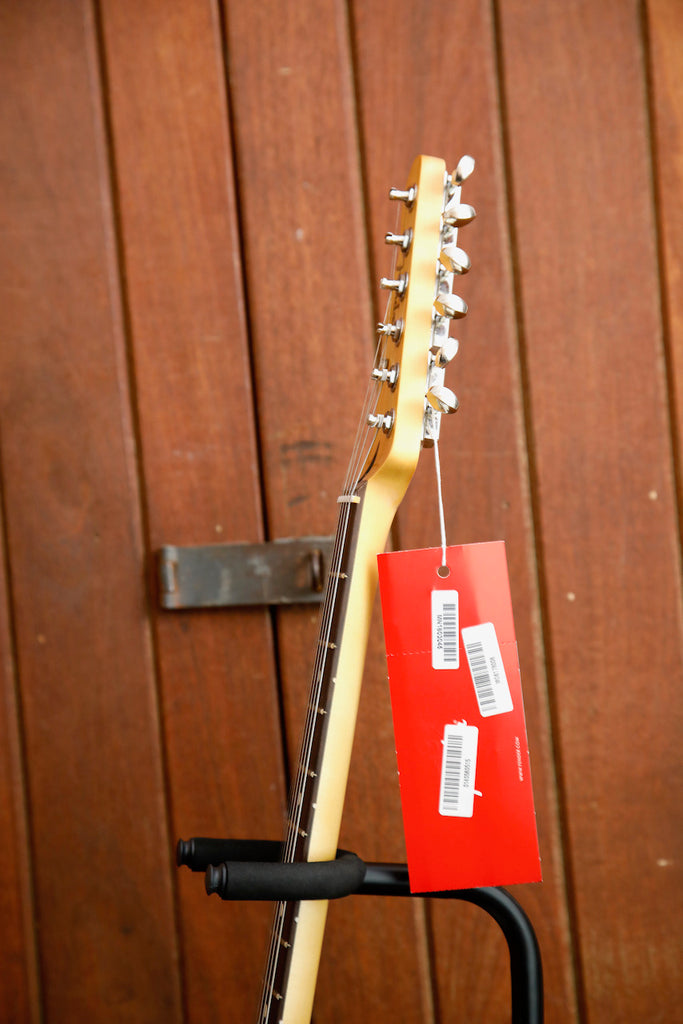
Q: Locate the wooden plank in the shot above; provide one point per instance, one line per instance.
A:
(579, 144)
(98, 824)
(429, 85)
(313, 339)
(19, 986)
(181, 252)
(665, 20)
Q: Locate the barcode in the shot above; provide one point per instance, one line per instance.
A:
(481, 677)
(487, 669)
(451, 773)
(445, 646)
(450, 632)
(458, 768)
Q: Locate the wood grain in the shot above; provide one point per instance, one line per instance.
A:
(180, 247)
(485, 474)
(19, 985)
(598, 403)
(313, 338)
(103, 894)
(665, 21)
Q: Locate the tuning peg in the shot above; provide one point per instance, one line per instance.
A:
(382, 421)
(450, 305)
(458, 214)
(454, 259)
(397, 285)
(463, 170)
(445, 352)
(391, 330)
(404, 195)
(442, 399)
(403, 240)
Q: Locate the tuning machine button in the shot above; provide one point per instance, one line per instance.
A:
(456, 214)
(444, 352)
(463, 170)
(403, 240)
(455, 260)
(442, 399)
(397, 285)
(447, 304)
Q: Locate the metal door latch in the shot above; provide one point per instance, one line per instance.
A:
(288, 571)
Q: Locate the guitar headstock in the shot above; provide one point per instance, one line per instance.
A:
(415, 345)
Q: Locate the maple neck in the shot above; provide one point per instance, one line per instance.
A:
(317, 799)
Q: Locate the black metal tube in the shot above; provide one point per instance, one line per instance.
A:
(198, 853)
(526, 970)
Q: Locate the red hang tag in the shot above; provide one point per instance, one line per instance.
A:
(456, 695)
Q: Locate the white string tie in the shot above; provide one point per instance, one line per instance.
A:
(442, 521)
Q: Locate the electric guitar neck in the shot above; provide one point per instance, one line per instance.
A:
(405, 401)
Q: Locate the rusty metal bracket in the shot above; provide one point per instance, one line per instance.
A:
(289, 571)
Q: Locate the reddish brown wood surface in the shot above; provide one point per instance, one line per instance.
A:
(199, 459)
(19, 991)
(195, 197)
(602, 453)
(104, 911)
(665, 24)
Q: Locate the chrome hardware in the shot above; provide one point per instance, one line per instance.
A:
(385, 420)
(386, 374)
(403, 240)
(443, 353)
(406, 195)
(463, 170)
(449, 305)
(397, 285)
(391, 330)
(456, 214)
(455, 260)
(442, 399)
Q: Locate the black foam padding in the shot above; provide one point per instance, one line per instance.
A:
(302, 880)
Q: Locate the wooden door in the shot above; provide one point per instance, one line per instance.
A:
(194, 203)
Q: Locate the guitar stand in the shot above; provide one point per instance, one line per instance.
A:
(248, 869)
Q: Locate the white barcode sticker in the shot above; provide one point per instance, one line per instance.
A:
(445, 652)
(486, 668)
(458, 769)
